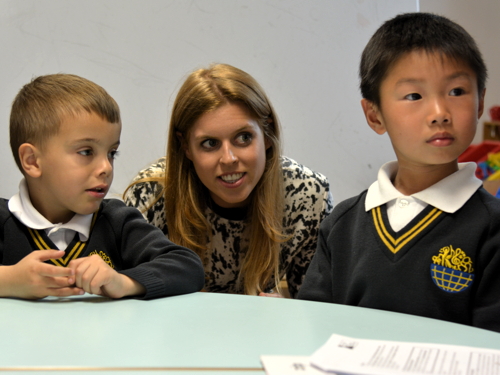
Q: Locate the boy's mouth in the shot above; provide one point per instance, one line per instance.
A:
(441, 139)
(98, 189)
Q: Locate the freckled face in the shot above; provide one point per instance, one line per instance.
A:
(228, 151)
(430, 106)
(76, 167)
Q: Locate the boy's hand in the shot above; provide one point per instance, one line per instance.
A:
(95, 276)
(30, 278)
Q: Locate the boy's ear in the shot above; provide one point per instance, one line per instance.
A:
(28, 155)
(373, 117)
(480, 107)
(183, 145)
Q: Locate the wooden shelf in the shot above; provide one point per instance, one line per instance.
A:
(491, 130)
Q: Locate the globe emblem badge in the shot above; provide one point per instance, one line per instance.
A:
(451, 270)
(450, 280)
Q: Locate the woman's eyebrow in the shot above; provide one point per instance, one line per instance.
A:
(240, 129)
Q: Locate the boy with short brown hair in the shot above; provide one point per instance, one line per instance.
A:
(64, 133)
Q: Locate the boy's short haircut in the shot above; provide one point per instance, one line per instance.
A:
(41, 105)
(413, 32)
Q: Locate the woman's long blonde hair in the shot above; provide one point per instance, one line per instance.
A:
(186, 197)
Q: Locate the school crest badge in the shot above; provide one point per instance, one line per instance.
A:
(104, 257)
(452, 270)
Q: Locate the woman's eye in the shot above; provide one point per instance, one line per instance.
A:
(244, 138)
(85, 152)
(209, 144)
(457, 92)
(413, 96)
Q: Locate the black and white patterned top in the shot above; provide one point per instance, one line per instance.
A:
(308, 201)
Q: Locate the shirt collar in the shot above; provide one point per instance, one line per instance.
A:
(21, 207)
(448, 195)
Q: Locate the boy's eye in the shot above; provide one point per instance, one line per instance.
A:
(413, 96)
(113, 154)
(457, 92)
(209, 144)
(87, 152)
(244, 138)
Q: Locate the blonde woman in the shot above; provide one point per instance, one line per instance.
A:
(225, 191)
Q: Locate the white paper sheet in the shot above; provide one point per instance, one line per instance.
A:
(343, 355)
(288, 365)
(346, 355)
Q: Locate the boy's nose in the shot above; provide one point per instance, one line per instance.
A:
(105, 166)
(439, 113)
(228, 155)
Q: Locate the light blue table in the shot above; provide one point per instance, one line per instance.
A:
(196, 333)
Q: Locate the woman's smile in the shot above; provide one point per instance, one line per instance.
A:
(228, 143)
(231, 178)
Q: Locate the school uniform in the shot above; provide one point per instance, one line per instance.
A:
(439, 260)
(117, 233)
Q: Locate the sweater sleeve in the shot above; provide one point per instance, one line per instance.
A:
(301, 261)
(3, 217)
(317, 284)
(148, 257)
(486, 306)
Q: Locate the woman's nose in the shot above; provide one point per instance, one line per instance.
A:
(228, 155)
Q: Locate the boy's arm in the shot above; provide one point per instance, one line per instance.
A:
(319, 282)
(148, 257)
(23, 273)
(95, 276)
(30, 278)
(306, 250)
(317, 285)
(486, 309)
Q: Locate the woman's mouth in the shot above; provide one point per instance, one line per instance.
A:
(231, 178)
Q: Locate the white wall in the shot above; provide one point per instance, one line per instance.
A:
(304, 53)
(480, 19)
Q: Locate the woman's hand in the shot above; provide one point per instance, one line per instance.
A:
(274, 295)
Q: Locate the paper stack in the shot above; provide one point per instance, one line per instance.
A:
(343, 355)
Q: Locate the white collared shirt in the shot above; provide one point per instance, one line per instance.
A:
(448, 195)
(61, 234)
